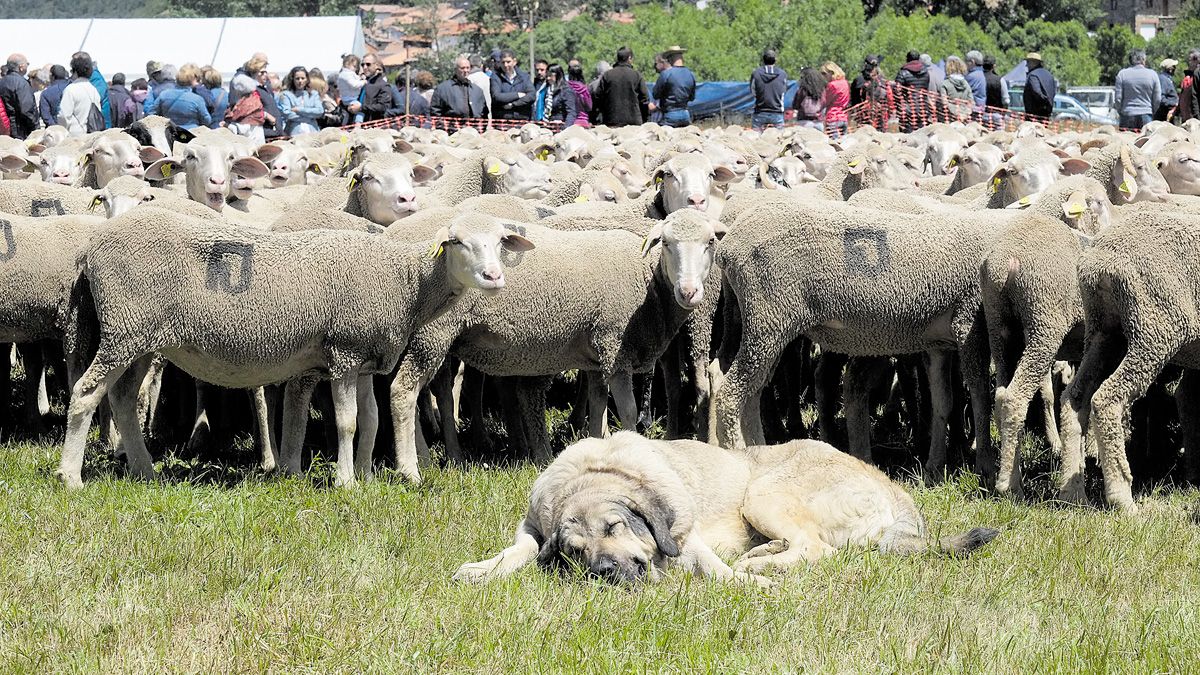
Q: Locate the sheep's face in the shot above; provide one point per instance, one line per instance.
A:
(286, 163)
(513, 173)
(1180, 167)
(118, 154)
(1088, 210)
(976, 163)
(571, 149)
(942, 147)
(1137, 179)
(783, 173)
(471, 245)
(160, 133)
(685, 181)
(121, 195)
(689, 241)
(208, 169)
(632, 177)
(722, 155)
(386, 188)
(62, 165)
(1030, 172)
(881, 169)
(54, 135)
(817, 157)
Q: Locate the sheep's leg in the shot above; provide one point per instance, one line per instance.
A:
(430, 411)
(731, 328)
(1050, 419)
(345, 412)
(857, 385)
(1012, 404)
(201, 429)
(6, 363)
(472, 397)
(759, 351)
(368, 427)
(442, 387)
(272, 394)
(579, 409)
(43, 396)
(1075, 418)
(262, 429)
(974, 359)
(416, 368)
(1143, 361)
(531, 412)
(621, 386)
(828, 376)
(148, 393)
(937, 369)
(123, 396)
(297, 395)
(672, 387)
(1187, 396)
(697, 335)
(31, 357)
(597, 406)
(106, 368)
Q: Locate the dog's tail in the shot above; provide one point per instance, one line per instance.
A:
(907, 536)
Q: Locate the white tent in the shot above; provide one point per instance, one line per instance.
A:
(125, 45)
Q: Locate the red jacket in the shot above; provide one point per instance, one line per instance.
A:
(837, 98)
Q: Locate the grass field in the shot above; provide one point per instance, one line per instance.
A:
(225, 570)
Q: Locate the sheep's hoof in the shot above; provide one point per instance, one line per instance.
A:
(1073, 492)
(70, 481)
(932, 474)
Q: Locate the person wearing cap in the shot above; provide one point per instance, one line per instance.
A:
(768, 84)
(675, 89)
(1170, 97)
(995, 94)
(1040, 88)
(1137, 92)
(870, 87)
(52, 95)
(17, 97)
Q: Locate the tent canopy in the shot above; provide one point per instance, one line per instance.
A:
(125, 45)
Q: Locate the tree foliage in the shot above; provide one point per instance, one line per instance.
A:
(1114, 44)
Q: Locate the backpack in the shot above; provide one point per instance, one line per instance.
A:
(95, 119)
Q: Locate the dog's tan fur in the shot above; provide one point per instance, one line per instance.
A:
(626, 506)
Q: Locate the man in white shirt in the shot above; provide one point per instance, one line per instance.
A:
(79, 97)
(482, 79)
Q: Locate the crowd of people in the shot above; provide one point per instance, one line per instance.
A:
(259, 104)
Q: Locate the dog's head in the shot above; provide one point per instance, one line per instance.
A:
(617, 537)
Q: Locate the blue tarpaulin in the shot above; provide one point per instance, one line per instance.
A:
(714, 98)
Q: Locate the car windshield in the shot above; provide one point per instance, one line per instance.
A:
(1093, 98)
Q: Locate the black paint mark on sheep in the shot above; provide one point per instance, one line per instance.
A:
(41, 208)
(220, 266)
(867, 252)
(512, 258)
(10, 246)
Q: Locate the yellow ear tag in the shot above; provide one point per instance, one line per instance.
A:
(1023, 201)
(853, 163)
(353, 182)
(95, 203)
(658, 180)
(581, 199)
(995, 185)
(343, 139)
(544, 154)
(1124, 187)
(645, 245)
(436, 250)
(1075, 210)
(84, 159)
(166, 170)
(494, 169)
(953, 163)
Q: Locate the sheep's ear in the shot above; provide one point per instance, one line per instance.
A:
(1060, 153)
(423, 174)
(719, 230)
(1075, 205)
(183, 135)
(268, 152)
(1128, 188)
(1141, 141)
(401, 145)
(36, 149)
(855, 166)
(1024, 202)
(1075, 166)
(163, 169)
(954, 160)
(516, 243)
(97, 200)
(13, 163)
(495, 167)
(652, 238)
(723, 174)
(541, 152)
(586, 192)
(149, 154)
(997, 178)
(249, 167)
(314, 167)
(439, 242)
(625, 153)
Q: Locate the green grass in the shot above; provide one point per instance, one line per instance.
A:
(224, 570)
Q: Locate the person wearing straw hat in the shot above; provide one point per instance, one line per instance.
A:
(1040, 87)
(1170, 97)
(675, 89)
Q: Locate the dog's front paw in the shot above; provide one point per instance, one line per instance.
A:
(760, 581)
(474, 573)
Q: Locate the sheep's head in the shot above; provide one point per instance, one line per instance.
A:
(511, 172)
(384, 183)
(685, 181)
(122, 194)
(287, 164)
(943, 145)
(1137, 179)
(471, 246)
(1179, 164)
(879, 167)
(208, 168)
(115, 153)
(1032, 171)
(62, 164)
(160, 133)
(783, 173)
(976, 163)
(689, 241)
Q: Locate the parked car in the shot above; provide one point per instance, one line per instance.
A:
(1066, 107)
(1099, 100)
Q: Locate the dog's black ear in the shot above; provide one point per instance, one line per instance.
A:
(659, 517)
(549, 557)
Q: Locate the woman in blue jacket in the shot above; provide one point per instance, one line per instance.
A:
(299, 105)
(181, 105)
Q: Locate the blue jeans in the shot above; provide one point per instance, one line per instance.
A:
(760, 120)
(676, 118)
(1135, 121)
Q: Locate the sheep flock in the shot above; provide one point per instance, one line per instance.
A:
(721, 280)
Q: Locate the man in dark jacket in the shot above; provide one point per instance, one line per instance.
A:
(621, 95)
(674, 90)
(458, 97)
(124, 110)
(768, 83)
(914, 77)
(17, 97)
(512, 90)
(52, 95)
(376, 96)
(1170, 95)
(1040, 88)
(1189, 97)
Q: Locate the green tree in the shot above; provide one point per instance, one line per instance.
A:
(1113, 46)
(1066, 48)
(891, 36)
(1177, 43)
